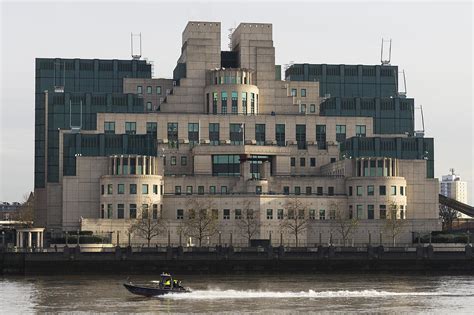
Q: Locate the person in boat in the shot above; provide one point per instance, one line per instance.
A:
(167, 283)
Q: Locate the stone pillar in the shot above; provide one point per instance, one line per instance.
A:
(361, 167)
(368, 166)
(17, 239)
(245, 170)
(265, 170)
(390, 167)
(383, 166)
(149, 166)
(29, 240)
(42, 239)
(120, 169)
(21, 240)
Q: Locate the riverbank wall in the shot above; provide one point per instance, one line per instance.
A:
(227, 260)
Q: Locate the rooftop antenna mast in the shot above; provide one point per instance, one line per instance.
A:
(452, 171)
(231, 30)
(421, 133)
(136, 55)
(402, 93)
(386, 60)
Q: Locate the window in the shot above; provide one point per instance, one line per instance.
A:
(370, 190)
(110, 189)
(340, 133)
(177, 190)
(226, 215)
(332, 214)
(179, 214)
(110, 211)
(120, 189)
(155, 212)
(102, 211)
(321, 137)
(360, 130)
(360, 212)
(149, 106)
(215, 214)
(280, 135)
(158, 90)
(291, 214)
(312, 108)
(393, 190)
(148, 90)
(236, 133)
(260, 134)
(144, 189)
(184, 160)
(312, 162)
(139, 90)
(303, 92)
(370, 212)
(234, 102)
(308, 190)
(333, 160)
(350, 190)
(280, 214)
(223, 102)
(302, 162)
(152, 129)
(359, 190)
(252, 103)
(402, 212)
(238, 214)
(109, 127)
(402, 190)
(214, 133)
(383, 211)
(319, 191)
(351, 212)
(214, 103)
(312, 214)
(301, 215)
(244, 103)
(212, 190)
(120, 211)
(303, 109)
(269, 214)
(322, 214)
(130, 128)
(189, 190)
(144, 211)
(133, 189)
(331, 191)
(133, 211)
(200, 190)
(382, 190)
(173, 134)
(292, 161)
(297, 190)
(301, 136)
(258, 190)
(294, 92)
(193, 134)
(173, 160)
(155, 189)
(286, 190)
(223, 189)
(225, 165)
(102, 190)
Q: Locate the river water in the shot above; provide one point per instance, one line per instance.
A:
(244, 294)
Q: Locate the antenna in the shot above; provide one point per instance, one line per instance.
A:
(404, 92)
(452, 171)
(231, 30)
(136, 55)
(386, 61)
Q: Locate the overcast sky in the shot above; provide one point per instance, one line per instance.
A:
(431, 41)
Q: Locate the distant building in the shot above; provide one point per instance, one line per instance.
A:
(8, 210)
(453, 187)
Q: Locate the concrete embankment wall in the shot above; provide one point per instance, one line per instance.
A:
(226, 260)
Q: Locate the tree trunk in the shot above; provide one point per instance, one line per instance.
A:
(296, 239)
(148, 239)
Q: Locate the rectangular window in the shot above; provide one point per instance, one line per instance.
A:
(312, 214)
(149, 106)
(110, 211)
(360, 131)
(340, 133)
(402, 212)
(301, 136)
(291, 214)
(234, 103)
(110, 189)
(155, 189)
(244, 103)
(109, 127)
(303, 92)
(139, 90)
(332, 214)
(152, 129)
(200, 190)
(133, 189)
(212, 190)
(184, 160)
(382, 190)
(303, 109)
(223, 189)
(252, 103)
(360, 190)
(193, 134)
(224, 102)
(258, 190)
(144, 189)
(238, 214)
(121, 189)
(402, 190)
(322, 214)
(319, 191)
(214, 103)
(189, 190)
(102, 189)
(225, 165)
(350, 190)
(297, 190)
(321, 137)
(236, 134)
(286, 190)
(148, 90)
(130, 128)
(173, 134)
(280, 135)
(158, 90)
(120, 211)
(292, 161)
(179, 214)
(383, 212)
(173, 160)
(312, 162)
(280, 214)
(177, 190)
(301, 215)
(133, 210)
(302, 162)
(308, 190)
(294, 92)
(269, 214)
(226, 215)
(330, 191)
(370, 190)
(370, 212)
(393, 190)
(214, 133)
(312, 108)
(260, 134)
(351, 212)
(360, 212)
(215, 214)
(155, 212)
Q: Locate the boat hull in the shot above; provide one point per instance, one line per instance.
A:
(149, 291)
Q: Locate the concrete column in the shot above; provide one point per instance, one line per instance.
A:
(390, 167)
(17, 239)
(29, 239)
(383, 166)
(149, 166)
(120, 170)
(41, 239)
(21, 240)
(361, 167)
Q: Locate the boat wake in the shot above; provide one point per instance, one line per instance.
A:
(251, 294)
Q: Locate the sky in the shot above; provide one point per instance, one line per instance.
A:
(431, 41)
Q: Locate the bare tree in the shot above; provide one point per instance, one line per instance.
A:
(394, 225)
(248, 221)
(201, 220)
(148, 225)
(25, 212)
(345, 222)
(296, 220)
(448, 215)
